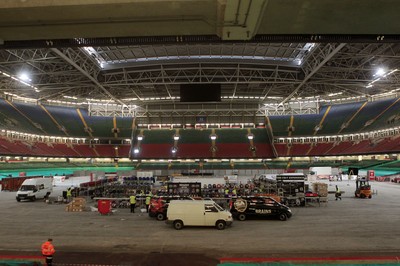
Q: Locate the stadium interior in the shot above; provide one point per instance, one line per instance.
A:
(201, 91)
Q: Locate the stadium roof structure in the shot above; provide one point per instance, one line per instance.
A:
(269, 56)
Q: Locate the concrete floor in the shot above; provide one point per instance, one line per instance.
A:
(347, 228)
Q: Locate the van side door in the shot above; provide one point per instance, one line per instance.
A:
(211, 214)
(40, 191)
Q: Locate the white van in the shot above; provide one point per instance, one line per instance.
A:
(197, 213)
(35, 188)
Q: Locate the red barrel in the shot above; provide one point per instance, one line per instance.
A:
(104, 207)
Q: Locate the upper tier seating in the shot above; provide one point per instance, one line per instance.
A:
(280, 125)
(14, 120)
(390, 117)
(124, 124)
(40, 117)
(34, 119)
(304, 125)
(338, 114)
(101, 126)
(371, 110)
(68, 118)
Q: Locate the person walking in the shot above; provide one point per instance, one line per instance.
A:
(48, 251)
(338, 194)
(132, 200)
(148, 199)
(69, 194)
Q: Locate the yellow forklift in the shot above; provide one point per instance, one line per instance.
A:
(363, 188)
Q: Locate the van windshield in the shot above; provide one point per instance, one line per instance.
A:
(219, 208)
(27, 188)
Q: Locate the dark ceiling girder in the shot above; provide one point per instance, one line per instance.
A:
(124, 41)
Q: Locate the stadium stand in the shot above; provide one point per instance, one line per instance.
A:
(47, 149)
(319, 149)
(193, 151)
(85, 150)
(69, 119)
(280, 125)
(192, 136)
(15, 147)
(232, 135)
(124, 150)
(157, 151)
(304, 125)
(339, 148)
(158, 136)
(102, 127)
(66, 150)
(233, 150)
(368, 112)
(106, 150)
(196, 143)
(39, 117)
(338, 115)
(359, 147)
(389, 117)
(281, 148)
(124, 124)
(300, 149)
(16, 121)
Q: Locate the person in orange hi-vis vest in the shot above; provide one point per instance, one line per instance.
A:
(48, 251)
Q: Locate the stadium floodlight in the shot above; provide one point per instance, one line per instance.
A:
(136, 150)
(176, 137)
(250, 136)
(25, 77)
(380, 72)
(213, 137)
(140, 137)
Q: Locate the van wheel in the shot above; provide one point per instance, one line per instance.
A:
(33, 198)
(18, 199)
(282, 217)
(178, 225)
(220, 225)
(241, 217)
(160, 216)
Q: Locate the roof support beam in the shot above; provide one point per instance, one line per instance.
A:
(67, 57)
(242, 19)
(314, 63)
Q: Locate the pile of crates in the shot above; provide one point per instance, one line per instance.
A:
(321, 189)
(76, 205)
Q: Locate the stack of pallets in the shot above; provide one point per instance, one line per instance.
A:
(77, 205)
